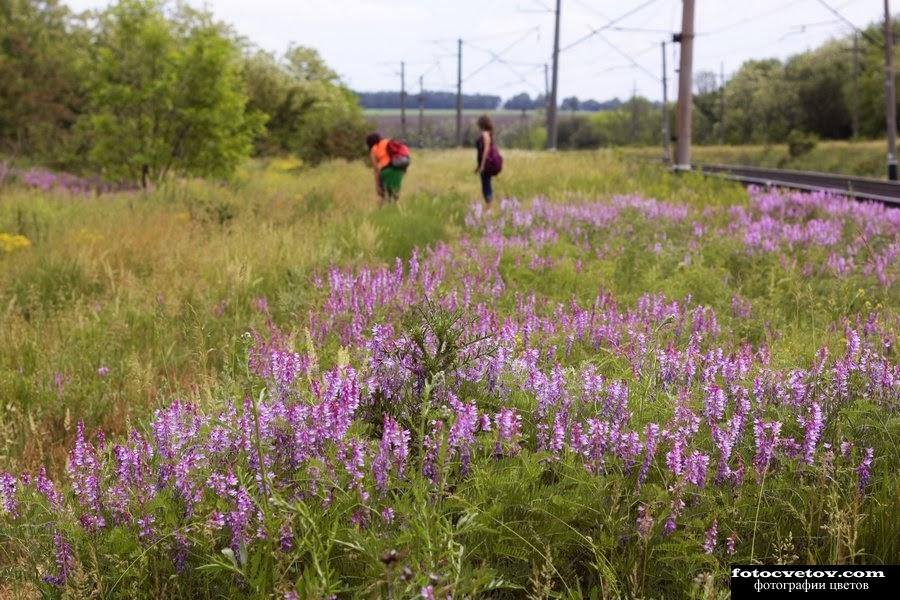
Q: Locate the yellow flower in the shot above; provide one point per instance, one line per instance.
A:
(10, 242)
(85, 236)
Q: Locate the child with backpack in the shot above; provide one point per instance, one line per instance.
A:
(490, 162)
(390, 159)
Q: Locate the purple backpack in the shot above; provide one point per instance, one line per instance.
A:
(493, 164)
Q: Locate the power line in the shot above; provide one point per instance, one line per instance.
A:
(608, 25)
(590, 8)
(840, 16)
(498, 56)
(750, 19)
(482, 38)
(627, 57)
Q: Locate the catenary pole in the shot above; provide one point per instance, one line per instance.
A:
(665, 109)
(855, 86)
(722, 105)
(890, 95)
(685, 87)
(403, 100)
(421, 112)
(552, 125)
(459, 99)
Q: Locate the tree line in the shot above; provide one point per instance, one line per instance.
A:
(145, 88)
(432, 100)
(833, 92)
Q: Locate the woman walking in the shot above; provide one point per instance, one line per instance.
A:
(489, 160)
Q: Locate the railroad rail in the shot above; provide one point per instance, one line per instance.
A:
(861, 188)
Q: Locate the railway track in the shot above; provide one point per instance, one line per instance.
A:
(861, 188)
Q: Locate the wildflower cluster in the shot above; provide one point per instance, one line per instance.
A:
(684, 416)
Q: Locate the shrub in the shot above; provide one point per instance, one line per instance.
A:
(800, 143)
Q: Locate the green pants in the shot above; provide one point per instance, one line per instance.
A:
(391, 178)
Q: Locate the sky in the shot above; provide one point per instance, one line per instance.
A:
(366, 40)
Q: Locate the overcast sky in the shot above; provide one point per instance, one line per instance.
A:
(365, 40)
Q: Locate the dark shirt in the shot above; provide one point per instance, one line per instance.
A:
(479, 148)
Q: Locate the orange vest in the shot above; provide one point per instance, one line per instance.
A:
(380, 154)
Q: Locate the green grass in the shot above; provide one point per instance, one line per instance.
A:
(161, 287)
(864, 158)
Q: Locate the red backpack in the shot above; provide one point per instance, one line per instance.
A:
(398, 152)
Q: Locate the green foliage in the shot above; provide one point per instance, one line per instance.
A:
(165, 95)
(312, 114)
(800, 143)
(41, 64)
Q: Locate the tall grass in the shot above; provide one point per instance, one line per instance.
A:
(123, 303)
(159, 287)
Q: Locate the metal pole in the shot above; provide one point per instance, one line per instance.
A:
(890, 95)
(421, 112)
(403, 100)
(459, 99)
(722, 105)
(546, 81)
(547, 97)
(665, 109)
(552, 126)
(685, 87)
(634, 115)
(855, 86)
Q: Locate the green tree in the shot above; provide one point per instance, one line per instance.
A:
(166, 95)
(41, 59)
(312, 114)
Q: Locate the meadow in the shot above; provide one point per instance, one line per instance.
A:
(614, 383)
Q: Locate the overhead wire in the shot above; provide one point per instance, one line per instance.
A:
(498, 56)
(608, 25)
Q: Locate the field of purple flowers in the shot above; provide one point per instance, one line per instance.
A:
(569, 399)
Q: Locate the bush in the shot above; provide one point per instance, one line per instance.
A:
(800, 143)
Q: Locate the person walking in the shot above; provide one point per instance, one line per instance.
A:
(489, 160)
(388, 167)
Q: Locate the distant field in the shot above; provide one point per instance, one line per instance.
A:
(439, 125)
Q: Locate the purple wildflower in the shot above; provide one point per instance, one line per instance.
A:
(285, 538)
(697, 464)
(864, 470)
(652, 438)
(730, 542)
(64, 561)
(508, 425)
(644, 521)
(392, 454)
(8, 487)
(711, 536)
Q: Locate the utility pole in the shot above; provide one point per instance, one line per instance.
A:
(421, 112)
(546, 81)
(685, 86)
(552, 129)
(855, 86)
(891, 95)
(547, 97)
(459, 102)
(665, 109)
(403, 100)
(634, 114)
(722, 105)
